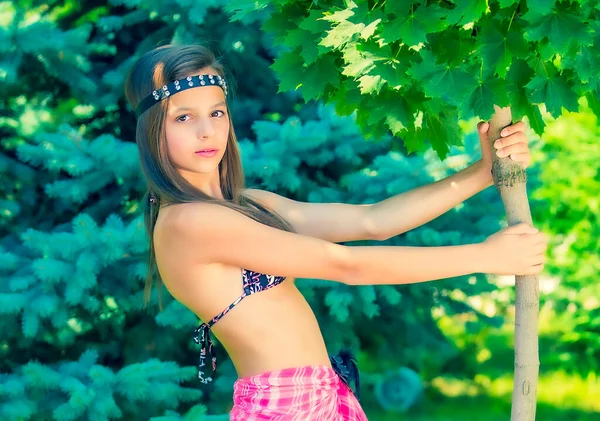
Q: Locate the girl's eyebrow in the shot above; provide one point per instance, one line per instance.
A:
(178, 109)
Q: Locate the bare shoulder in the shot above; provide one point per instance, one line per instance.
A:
(185, 218)
(204, 233)
(180, 228)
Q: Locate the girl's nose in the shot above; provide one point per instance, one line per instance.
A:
(206, 128)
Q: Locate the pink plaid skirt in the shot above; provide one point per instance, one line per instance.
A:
(295, 394)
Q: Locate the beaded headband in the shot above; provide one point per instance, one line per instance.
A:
(177, 86)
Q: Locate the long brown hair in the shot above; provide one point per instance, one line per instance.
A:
(151, 71)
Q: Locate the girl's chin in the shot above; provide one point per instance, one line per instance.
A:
(200, 170)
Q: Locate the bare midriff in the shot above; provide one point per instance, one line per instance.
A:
(269, 330)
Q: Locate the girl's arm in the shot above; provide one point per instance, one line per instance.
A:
(416, 207)
(208, 233)
(341, 222)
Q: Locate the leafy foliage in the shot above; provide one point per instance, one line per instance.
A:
(429, 63)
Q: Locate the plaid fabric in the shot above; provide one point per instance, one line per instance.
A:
(295, 394)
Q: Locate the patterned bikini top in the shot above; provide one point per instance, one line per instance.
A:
(253, 282)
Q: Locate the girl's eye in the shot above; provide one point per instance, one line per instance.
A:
(179, 118)
(218, 111)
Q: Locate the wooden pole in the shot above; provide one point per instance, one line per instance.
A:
(511, 181)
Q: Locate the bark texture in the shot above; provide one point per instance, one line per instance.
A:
(511, 181)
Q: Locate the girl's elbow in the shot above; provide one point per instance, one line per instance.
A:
(347, 266)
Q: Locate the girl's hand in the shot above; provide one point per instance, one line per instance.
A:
(513, 144)
(516, 250)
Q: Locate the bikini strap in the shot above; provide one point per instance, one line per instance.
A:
(202, 337)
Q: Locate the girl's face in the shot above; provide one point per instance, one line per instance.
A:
(197, 119)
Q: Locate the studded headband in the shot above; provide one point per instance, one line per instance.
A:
(177, 86)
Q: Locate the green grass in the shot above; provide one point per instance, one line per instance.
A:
(479, 408)
(561, 396)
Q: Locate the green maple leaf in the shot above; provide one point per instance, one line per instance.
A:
(370, 84)
(278, 24)
(355, 20)
(398, 116)
(588, 7)
(287, 65)
(313, 22)
(374, 67)
(440, 128)
(563, 28)
(364, 14)
(466, 11)
(587, 65)
(541, 7)
(536, 121)
(341, 34)
(362, 58)
(442, 80)
(357, 64)
(489, 92)
(393, 73)
(379, 114)
(594, 101)
(370, 122)
(554, 91)
(412, 140)
(317, 76)
(241, 8)
(461, 41)
(507, 3)
(295, 38)
(519, 75)
(411, 105)
(346, 97)
(390, 110)
(369, 30)
(412, 24)
(374, 109)
(498, 49)
(341, 15)
(310, 48)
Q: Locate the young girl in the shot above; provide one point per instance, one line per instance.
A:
(231, 254)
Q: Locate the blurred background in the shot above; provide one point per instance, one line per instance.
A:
(76, 342)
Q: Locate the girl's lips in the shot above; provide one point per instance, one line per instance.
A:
(207, 152)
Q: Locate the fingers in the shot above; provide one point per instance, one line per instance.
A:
(526, 228)
(483, 127)
(521, 228)
(536, 263)
(539, 241)
(514, 146)
(540, 249)
(519, 126)
(522, 158)
(535, 269)
(533, 245)
(542, 238)
(518, 148)
(514, 138)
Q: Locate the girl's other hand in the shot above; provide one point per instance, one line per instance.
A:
(516, 250)
(513, 144)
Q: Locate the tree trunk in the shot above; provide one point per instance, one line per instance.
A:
(511, 181)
